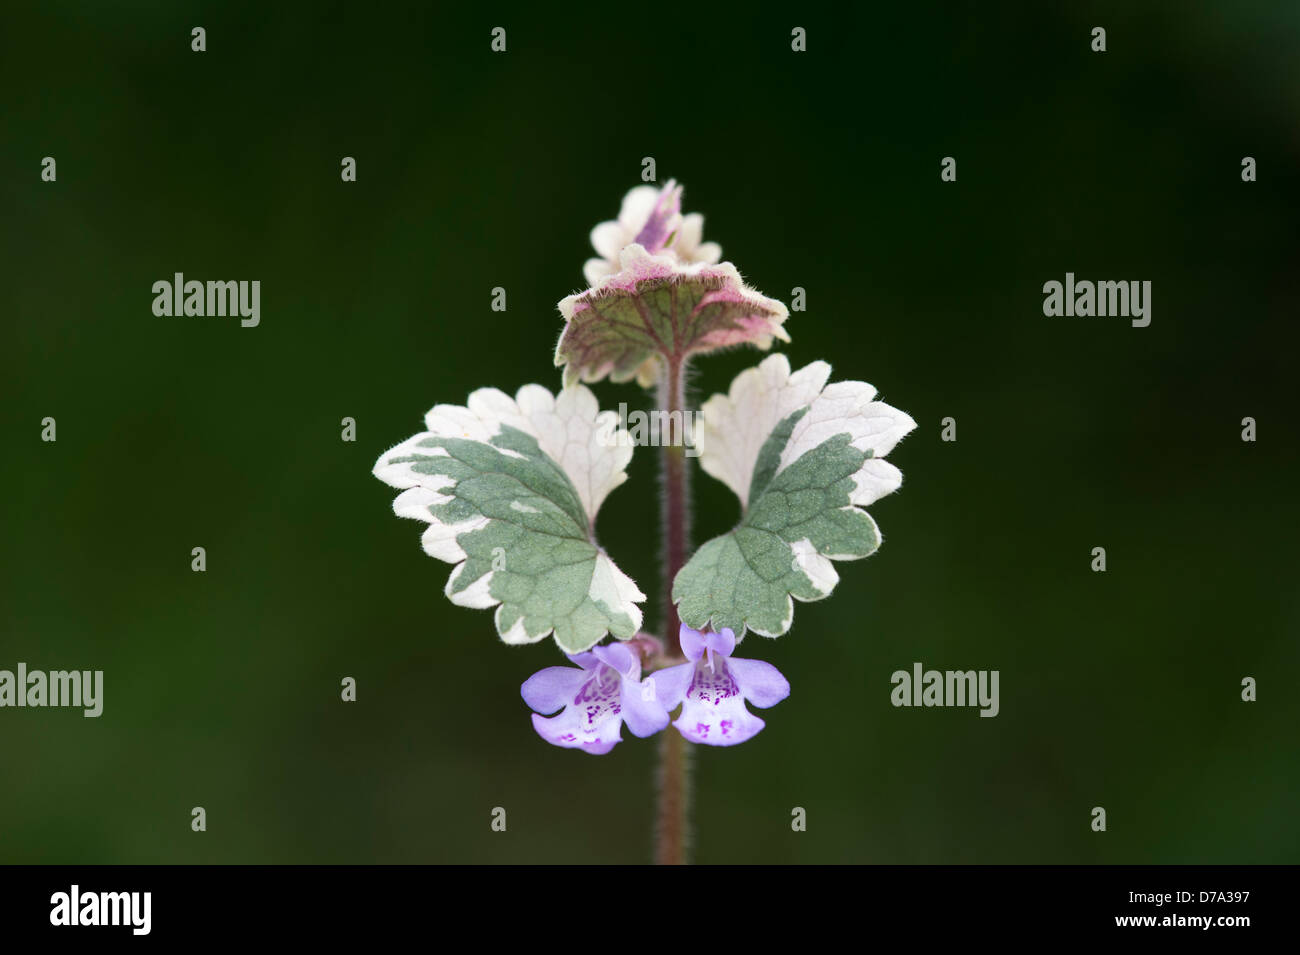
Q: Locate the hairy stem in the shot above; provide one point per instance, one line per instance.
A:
(675, 515)
(673, 820)
(672, 830)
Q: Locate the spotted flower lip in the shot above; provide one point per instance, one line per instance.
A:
(595, 700)
(713, 688)
(652, 218)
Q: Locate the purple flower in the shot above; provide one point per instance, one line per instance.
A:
(651, 218)
(713, 688)
(664, 219)
(595, 701)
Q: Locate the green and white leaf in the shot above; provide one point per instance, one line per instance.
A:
(510, 488)
(804, 457)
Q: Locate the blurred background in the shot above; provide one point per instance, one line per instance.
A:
(816, 169)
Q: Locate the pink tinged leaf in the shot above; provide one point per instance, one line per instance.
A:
(655, 305)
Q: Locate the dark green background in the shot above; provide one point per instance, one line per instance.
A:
(818, 170)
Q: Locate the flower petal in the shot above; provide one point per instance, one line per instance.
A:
(760, 682)
(643, 711)
(723, 641)
(663, 219)
(671, 684)
(690, 235)
(592, 718)
(724, 723)
(711, 252)
(620, 658)
(565, 730)
(637, 207)
(693, 642)
(594, 270)
(713, 712)
(608, 240)
(552, 689)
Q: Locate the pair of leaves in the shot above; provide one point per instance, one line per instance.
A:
(510, 489)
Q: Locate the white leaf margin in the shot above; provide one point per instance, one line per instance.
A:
(737, 425)
(589, 445)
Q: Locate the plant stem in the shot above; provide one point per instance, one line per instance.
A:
(672, 826)
(673, 821)
(675, 515)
